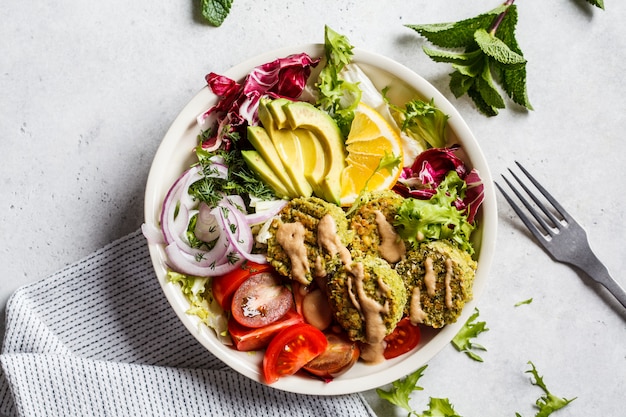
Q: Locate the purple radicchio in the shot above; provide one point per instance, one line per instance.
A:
(421, 179)
(238, 103)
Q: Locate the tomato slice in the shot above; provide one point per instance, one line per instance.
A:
(261, 300)
(249, 338)
(291, 349)
(339, 356)
(224, 286)
(402, 339)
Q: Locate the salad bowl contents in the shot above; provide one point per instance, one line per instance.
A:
(321, 218)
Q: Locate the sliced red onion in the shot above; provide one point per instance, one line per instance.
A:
(265, 215)
(206, 225)
(239, 232)
(179, 262)
(153, 234)
(234, 242)
(173, 198)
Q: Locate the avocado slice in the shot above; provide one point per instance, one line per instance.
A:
(257, 164)
(261, 141)
(315, 161)
(304, 115)
(278, 114)
(312, 152)
(287, 147)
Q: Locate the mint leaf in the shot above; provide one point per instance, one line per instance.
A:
(497, 49)
(215, 11)
(456, 34)
(462, 341)
(487, 88)
(513, 80)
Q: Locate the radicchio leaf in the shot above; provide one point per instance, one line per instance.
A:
(238, 104)
(429, 169)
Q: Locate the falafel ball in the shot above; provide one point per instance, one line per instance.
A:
(299, 221)
(367, 298)
(438, 277)
(364, 221)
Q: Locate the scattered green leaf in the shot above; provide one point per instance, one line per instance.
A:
(400, 392)
(597, 3)
(439, 407)
(471, 329)
(548, 403)
(530, 300)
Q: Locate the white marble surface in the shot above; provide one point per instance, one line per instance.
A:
(89, 89)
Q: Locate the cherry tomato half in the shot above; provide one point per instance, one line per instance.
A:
(224, 286)
(249, 338)
(291, 349)
(339, 356)
(261, 300)
(402, 339)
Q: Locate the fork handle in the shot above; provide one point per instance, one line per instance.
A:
(599, 273)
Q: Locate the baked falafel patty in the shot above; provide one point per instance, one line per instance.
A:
(438, 277)
(365, 222)
(302, 216)
(363, 302)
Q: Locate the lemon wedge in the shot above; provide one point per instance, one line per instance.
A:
(371, 138)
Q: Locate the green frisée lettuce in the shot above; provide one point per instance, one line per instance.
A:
(202, 303)
(422, 121)
(336, 95)
(438, 217)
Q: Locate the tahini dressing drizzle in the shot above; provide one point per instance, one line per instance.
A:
(391, 248)
(291, 237)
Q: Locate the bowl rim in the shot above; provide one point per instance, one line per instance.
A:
(374, 375)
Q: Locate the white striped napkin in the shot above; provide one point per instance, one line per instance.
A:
(99, 339)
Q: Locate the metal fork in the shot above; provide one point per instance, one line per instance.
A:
(562, 237)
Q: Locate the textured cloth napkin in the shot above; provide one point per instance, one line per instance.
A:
(98, 338)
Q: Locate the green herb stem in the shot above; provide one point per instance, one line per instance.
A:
(500, 17)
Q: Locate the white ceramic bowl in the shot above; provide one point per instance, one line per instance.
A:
(174, 156)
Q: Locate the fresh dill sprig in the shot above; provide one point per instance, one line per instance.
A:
(239, 179)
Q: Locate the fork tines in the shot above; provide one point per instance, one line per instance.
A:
(550, 223)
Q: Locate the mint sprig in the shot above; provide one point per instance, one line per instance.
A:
(483, 52)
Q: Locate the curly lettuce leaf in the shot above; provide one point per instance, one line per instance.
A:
(336, 95)
(438, 217)
(462, 341)
(401, 390)
(202, 304)
(548, 403)
(422, 121)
